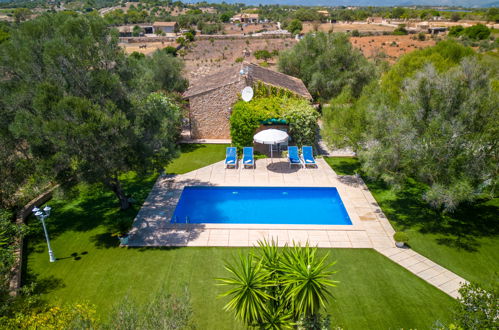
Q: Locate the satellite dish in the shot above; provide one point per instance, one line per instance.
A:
(247, 94)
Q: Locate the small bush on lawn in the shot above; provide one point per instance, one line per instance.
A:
(401, 237)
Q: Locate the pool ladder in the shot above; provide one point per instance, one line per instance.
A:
(175, 220)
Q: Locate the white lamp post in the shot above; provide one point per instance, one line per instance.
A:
(42, 215)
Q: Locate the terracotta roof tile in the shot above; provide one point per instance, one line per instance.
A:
(254, 73)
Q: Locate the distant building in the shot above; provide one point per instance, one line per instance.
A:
(165, 27)
(208, 10)
(436, 29)
(212, 97)
(423, 25)
(374, 20)
(127, 30)
(324, 13)
(245, 18)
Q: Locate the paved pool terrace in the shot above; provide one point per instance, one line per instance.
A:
(370, 228)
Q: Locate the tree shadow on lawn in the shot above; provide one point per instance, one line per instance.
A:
(459, 229)
(42, 285)
(93, 206)
(105, 241)
(190, 147)
(347, 166)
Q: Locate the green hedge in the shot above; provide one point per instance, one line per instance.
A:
(298, 113)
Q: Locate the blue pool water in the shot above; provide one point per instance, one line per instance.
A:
(261, 205)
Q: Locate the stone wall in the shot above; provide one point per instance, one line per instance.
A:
(22, 215)
(210, 112)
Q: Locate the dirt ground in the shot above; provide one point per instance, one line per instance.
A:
(248, 28)
(341, 27)
(151, 47)
(205, 57)
(392, 46)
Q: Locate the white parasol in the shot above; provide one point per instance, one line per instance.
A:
(271, 136)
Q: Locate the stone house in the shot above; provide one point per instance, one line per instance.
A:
(211, 98)
(374, 20)
(245, 18)
(165, 27)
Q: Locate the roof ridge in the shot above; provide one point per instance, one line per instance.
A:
(279, 73)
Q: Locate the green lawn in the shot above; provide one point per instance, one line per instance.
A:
(374, 292)
(194, 156)
(465, 242)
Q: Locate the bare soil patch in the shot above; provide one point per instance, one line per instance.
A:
(345, 27)
(150, 47)
(249, 28)
(205, 56)
(391, 46)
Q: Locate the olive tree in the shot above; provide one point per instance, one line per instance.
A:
(327, 62)
(74, 103)
(443, 132)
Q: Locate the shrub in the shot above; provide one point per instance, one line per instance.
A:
(477, 32)
(478, 308)
(164, 311)
(211, 28)
(400, 31)
(239, 60)
(295, 26)
(302, 119)
(355, 33)
(189, 36)
(248, 116)
(170, 50)
(262, 54)
(421, 36)
(455, 31)
(76, 316)
(401, 237)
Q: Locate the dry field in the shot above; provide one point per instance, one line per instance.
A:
(151, 47)
(174, 11)
(250, 28)
(205, 57)
(345, 27)
(392, 46)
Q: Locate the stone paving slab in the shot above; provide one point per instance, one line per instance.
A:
(370, 228)
(426, 269)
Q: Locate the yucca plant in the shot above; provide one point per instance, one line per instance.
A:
(249, 282)
(278, 317)
(275, 288)
(306, 279)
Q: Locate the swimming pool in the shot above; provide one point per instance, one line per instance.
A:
(261, 205)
